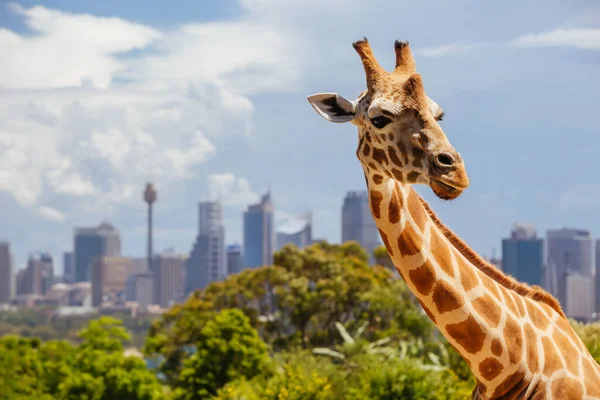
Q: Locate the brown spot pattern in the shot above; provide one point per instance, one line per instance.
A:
(570, 352)
(513, 337)
(490, 368)
(446, 298)
(423, 278)
(373, 166)
(366, 150)
(397, 174)
(468, 334)
(592, 383)
(394, 207)
(412, 176)
(418, 155)
(496, 347)
(532, 349)
(566, 388)
(377, 179)
(468, 276)
(409, 241)
(427, 311)
(403, 152)
(417, 211)
(564, 325)
(376, 199)
(493, 288)
(488, 309)
(386, 242)
(394, 157)
(537, 316)
(520, 309)
(552, 361)
(442, 252)
(511, 387)
(379, 156)
(368, 136)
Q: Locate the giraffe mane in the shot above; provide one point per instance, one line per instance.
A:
(533, 292)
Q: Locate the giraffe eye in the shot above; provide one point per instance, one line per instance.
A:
(380, 121)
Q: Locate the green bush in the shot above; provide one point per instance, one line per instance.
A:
(404, 380)
(228, 349)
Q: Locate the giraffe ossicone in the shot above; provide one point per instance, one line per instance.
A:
(515, 337)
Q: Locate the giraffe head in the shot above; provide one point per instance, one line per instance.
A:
(398, 130)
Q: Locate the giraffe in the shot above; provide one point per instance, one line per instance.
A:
(515, 338)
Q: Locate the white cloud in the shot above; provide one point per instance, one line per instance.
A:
(51, 214)
(581, 38)
(231, 190)
(94, 124)
(68, 49)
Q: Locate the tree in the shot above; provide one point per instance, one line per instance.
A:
(295, 303)
(228, 349)
(96, 369)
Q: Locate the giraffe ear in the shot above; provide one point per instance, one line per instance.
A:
(333, 107)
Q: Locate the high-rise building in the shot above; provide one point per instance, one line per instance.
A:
(168, 271)
(235, 259)
(140, 266)
(580, 296)
(297, 231)
(569, 251)
(358, 223)
(90, 243)
(207, 262)
(259, 233)
(144, 289)
(38, 277)
(68, 267)
(6, 273)
(109, 278)
(523, 254)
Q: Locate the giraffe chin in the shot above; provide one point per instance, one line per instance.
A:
(443, 190)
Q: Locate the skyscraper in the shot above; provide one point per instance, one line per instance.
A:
(580, 300)
(101, 241)
(37, 277)
(207, 262)
(569, 251)
(259, 233)
(168, 272)
(523, 254)
(109, 278)
(297, 231)
(358, 223)
(235, 259)
(68, 267)
(6, 273)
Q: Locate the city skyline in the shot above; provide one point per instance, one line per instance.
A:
(563, 262)
(173, 96)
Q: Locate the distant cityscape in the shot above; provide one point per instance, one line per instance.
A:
(98, 278)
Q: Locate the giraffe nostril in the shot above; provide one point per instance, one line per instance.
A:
(444, 160)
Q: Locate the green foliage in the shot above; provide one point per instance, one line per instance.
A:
(590, 334)
(403, 379)
(94, 370)
(43, 324)
(228, 349)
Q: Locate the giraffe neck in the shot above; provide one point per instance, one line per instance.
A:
(479, 317)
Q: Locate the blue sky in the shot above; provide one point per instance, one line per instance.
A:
(208, 100)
